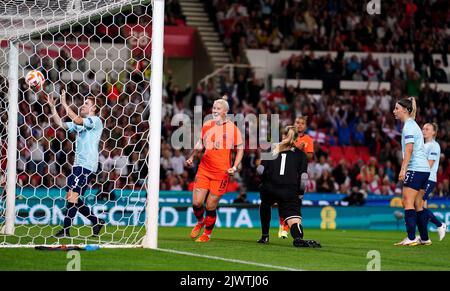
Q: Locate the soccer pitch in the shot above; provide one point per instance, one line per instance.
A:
(236, 249)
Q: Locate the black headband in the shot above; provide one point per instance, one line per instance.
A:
(406, 103)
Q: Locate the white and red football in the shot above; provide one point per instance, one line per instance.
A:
(35, 79)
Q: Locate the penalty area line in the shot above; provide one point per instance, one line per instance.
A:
(227, 260)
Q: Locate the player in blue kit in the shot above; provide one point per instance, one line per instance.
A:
(414, 172)
(88, 127)
(433, 152)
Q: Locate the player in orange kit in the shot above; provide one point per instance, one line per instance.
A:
(305, 143)
(219, 137)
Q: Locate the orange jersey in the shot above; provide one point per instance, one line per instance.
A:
(219, 141)
(308, 141)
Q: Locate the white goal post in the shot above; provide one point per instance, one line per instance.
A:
(99, 48)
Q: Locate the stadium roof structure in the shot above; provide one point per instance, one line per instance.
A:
(23, 18)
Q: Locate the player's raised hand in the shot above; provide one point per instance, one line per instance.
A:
(189, 162)
(50, 100)
(63, 97)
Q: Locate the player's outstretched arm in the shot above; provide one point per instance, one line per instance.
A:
(55, 116)
(78, 120)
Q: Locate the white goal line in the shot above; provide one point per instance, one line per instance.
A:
(228, 260)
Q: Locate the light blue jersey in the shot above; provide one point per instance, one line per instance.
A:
(433, 152)
(87, 141)
(413, 134)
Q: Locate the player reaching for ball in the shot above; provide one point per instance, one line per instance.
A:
(219, 137)
(88, 127)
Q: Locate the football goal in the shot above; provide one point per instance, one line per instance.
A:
(108, 51)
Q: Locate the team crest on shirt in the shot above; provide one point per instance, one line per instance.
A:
(221, 143)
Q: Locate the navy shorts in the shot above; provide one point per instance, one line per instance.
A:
(78, 180)
(416, 180)
(429, 189)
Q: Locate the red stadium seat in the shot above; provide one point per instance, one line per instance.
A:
(364, 153)
(350, 154)
(336, 154)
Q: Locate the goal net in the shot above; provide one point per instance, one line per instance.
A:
(110, 50)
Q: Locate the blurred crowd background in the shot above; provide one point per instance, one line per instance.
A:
(357, 139)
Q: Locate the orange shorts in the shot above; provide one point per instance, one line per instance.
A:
(205, 181)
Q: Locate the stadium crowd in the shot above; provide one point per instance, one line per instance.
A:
(337, 25)
(335, 117)
(331, 25)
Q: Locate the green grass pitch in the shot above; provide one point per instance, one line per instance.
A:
(342, 250)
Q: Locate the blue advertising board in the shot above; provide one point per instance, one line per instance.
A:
(43, 206)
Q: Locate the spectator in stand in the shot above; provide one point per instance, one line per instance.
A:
(198, 98)
(358, 135)
(395, 72)
(177, 162)
(352, 66)
(371, 69)
(325, 184)
(174, 93)
(241, 198)
(173, 13)
(413, 82)
(321, 167)
(437, 73)
(165, 160)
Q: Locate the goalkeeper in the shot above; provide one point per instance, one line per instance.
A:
(88, 127)
(283, 181)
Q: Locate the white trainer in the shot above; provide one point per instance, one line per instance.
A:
(282, 233)
(424, 242)
(442, 230)
(408, 242)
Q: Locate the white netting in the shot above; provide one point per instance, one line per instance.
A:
(19, 17)
(93, 48)
(3, 129)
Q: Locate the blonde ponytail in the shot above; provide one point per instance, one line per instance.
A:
(410, 104)
(288, 141)
(436, 128)
(414, 107)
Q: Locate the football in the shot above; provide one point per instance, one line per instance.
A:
(35, 79)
